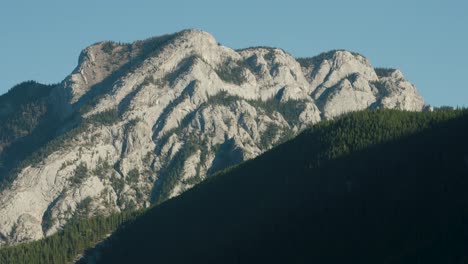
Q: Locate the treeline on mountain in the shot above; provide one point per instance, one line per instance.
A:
(30, 128)
(66, 246)
(45, 139)
(384, 72)
(23, 111)
(379, 186)
(372, 187)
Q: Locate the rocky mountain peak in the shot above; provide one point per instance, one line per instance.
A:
(197, 36)
(158, 116)
(96, 63)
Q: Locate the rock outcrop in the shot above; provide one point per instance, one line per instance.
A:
(160, 115)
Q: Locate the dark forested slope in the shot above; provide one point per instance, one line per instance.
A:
(372, 187)
(25, 122)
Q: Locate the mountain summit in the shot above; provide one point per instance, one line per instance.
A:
(136, 124)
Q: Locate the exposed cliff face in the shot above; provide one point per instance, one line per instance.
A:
(161, 114)
(342, 81)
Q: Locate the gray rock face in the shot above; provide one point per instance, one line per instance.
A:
(183, 107)
(342, 81)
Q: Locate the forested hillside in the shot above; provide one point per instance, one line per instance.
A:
(374, 186)
(23, 109)
(67, 245)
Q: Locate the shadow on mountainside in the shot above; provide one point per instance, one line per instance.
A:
(403, 201)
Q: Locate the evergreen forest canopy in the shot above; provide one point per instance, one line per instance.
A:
(380, 186)
(22, 110)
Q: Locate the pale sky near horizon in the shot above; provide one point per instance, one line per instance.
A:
(426, 40)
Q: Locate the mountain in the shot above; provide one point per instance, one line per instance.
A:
(136, 124)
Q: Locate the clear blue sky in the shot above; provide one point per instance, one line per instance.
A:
(427, 40)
